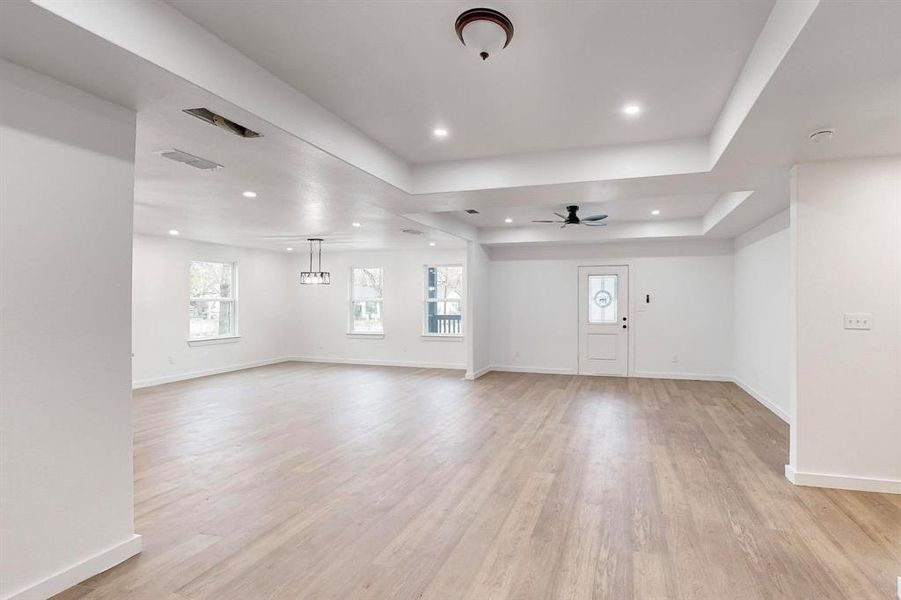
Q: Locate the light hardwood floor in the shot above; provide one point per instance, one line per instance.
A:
(313, 481)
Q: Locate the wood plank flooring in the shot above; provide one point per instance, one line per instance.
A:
(314, 482)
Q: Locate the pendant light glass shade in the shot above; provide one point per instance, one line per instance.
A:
(312, 277)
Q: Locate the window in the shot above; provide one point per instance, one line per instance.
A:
(212, 307)
(366, 300)
(444, 300)
(602, 298)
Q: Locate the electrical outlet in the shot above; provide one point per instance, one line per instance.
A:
(858, 321)
(675, 358)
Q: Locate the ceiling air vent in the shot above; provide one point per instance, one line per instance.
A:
(190, 160)
(412, 231)
(472, 211)
(205, 114)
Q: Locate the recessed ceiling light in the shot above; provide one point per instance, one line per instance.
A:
(508, 220)
(655, 212)
(290, 249)
(173, 232)
(631, 110)
(355, 224)
(439, 132)
(431, 243)
(249, 194)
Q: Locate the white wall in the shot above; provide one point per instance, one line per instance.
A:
(478, 331)
(322, 311)
(846, 236)
(66, 195)
(534, 306)
(266, 305)
(762, 312)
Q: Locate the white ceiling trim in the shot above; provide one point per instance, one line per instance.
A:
(160, 34)
(656, 159)
(786, 20)
(722, 208)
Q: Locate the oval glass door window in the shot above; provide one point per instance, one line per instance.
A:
(602, 299)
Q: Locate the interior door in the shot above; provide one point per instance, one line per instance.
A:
(604, 321)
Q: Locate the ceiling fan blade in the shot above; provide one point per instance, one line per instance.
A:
(559, 215)
(546, 221)
(593, 224)
(595, 218)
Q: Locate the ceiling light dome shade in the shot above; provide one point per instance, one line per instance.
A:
(484, 30)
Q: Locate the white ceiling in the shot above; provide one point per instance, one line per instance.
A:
(842, 71)
(395, 69)
(686, 206)
(301, 191)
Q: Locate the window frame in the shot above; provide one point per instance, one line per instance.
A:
(350, 304)
(235, 328)
(426, 300)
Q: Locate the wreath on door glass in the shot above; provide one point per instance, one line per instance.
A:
(603, 298)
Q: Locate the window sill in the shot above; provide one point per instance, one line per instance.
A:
(231, 339)
(365, 336)
(442, 337)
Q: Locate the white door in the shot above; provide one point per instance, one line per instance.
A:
(604, 321)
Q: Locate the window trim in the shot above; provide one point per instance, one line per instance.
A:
(235, 334)
(350, 306)
(425, 303)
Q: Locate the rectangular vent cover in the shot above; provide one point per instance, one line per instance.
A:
(205, 114)
(190, 160)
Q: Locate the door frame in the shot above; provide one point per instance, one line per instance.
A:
(630, 339)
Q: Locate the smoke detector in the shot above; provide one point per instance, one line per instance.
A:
(821, 135)
(484, 30)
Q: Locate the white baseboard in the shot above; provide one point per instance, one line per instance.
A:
(843, 482)
(686, 376)
(479, 373)
(75, 574)
(537, 370)
(142, 383)
(776, 410)
(378, 363)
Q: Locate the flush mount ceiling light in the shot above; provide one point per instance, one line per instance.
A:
(484, 30)
(249, 194)
(312, 277)
(173, 232)
(290, 249)
(431, 243)
(355, 224)
(655, 212)
(439, 132)
(631, 110)
(508, 220)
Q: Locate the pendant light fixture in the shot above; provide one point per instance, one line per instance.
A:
(312, 277)
(484, 30)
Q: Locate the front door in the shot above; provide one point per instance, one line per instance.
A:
(604, 321)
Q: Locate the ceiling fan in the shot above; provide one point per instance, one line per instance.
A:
(573, 219)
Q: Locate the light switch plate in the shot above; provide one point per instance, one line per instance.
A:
(858, 321)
